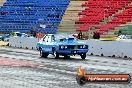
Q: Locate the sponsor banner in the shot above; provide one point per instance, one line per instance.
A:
(82, 78)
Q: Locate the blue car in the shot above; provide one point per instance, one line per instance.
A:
(4, 38)
(61, 44)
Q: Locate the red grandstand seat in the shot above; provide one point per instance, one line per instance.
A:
(96, 10)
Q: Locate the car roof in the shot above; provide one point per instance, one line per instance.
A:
(64, 36)
(61, 35)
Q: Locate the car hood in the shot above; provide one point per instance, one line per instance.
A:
(72, 42)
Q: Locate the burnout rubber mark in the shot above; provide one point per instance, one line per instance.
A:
(14, 62)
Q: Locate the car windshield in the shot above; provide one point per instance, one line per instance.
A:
(63, 36)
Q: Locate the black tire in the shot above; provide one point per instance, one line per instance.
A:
(55, 54)
(66, 56)
(42, 54)
(83, 56)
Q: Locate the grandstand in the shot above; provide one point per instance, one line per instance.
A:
(51, 16)
(71, 15)
(105, 15)
(27, 15)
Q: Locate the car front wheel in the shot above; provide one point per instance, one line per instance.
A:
(42, 54)
(66, 56)
(83, 56)
(55, 54)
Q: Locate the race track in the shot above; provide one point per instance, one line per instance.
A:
(21, 68)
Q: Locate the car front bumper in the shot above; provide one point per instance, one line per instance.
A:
(70, 52)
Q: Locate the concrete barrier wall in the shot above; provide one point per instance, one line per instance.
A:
(100, 48)
(23, 42)
(110, 48)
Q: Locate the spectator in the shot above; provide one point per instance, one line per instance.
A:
(80, 35)
(33, 33)
(96, 35)
(39, 35)
(119, 33)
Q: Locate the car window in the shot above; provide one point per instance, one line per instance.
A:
(45, 39)
(53, 38)
(64, 36)
(49, 38)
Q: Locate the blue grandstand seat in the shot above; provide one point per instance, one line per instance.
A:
(25, 15)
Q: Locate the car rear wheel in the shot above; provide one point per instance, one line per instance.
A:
(83, 56)
(55, 54)
(42, 54)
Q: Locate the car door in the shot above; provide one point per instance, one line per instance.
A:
(47, 44)
(50, 43)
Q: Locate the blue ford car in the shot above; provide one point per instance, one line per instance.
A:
(61, 44)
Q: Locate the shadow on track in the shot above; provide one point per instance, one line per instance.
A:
(61, 58)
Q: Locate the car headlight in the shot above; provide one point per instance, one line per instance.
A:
(83, 46)
(66, 47)
(63, 47)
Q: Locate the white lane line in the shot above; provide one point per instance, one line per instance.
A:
(58, 70)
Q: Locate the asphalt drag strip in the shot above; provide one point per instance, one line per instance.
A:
(27, 74)
(20, 68)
